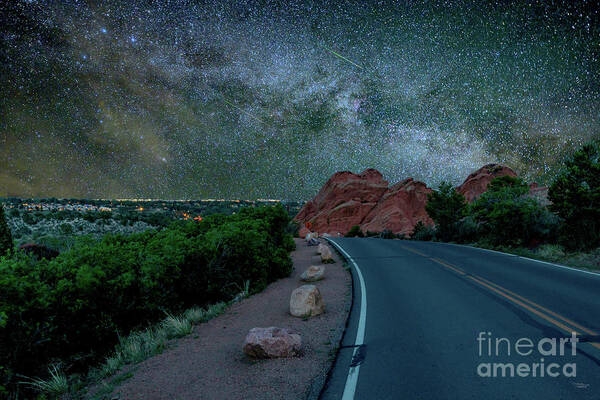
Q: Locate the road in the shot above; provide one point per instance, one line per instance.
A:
(438, 321)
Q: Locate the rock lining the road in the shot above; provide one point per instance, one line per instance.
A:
(209, 363)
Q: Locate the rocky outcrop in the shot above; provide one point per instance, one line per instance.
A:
(306, 301)
(364, 199)
(478, 181)
(313, 273)
(349, 199)
(344, 201)
(272, 342)
(400, 208)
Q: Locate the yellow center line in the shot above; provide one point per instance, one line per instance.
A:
(455, 269)
(568, 321)
(527, 304)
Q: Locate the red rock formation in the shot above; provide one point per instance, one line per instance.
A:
(348, 199)
(343, 201)
(399, 209)
(478, 181)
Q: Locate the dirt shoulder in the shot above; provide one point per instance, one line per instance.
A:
(210, 364)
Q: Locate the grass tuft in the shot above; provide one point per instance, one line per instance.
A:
(177, 327)
(194, 315)
(56, 385)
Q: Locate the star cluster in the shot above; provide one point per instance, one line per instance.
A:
(246, 99)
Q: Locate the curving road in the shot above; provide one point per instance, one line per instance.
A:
(441, 321)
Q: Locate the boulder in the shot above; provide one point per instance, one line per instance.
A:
(310, 236)
(306, 301)
(312, 242)
(478, 181)
(313, 273)
(272, 342)
(326, 255)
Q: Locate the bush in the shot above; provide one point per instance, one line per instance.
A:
(423, 232)
(505, 215)
(575, 197)
(74, 308)
(294, 229)
(467, 230)
(387, 234)
(446, 207)
(355, 231)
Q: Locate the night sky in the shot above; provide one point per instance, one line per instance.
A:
(266, 99)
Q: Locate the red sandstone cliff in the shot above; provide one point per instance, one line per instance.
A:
(348, 199)
(478, 181)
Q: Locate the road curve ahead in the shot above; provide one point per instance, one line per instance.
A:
(443, 321)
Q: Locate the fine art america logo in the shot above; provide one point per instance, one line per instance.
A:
(524, 350)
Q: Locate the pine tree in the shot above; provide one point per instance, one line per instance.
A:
(575, 197)
(6, 242)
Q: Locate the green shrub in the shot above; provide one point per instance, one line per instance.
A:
(423, 232)
(575, 197)
(75, 307)
(467, 230)
(294, 229)
(387, 234)
(446, 207)
(355, 231)
(505, 215)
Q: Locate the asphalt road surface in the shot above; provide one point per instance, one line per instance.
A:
(440, 321)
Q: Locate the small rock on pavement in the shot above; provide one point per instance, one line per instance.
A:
(306, 301)
(326, 255)
(272, 342)
(313, 273)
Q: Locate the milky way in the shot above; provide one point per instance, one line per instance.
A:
(268, 99)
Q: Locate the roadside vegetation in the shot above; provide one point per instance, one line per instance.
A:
(61, 316)
(506, 218)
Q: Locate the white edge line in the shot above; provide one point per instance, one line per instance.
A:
(524, 258)
(352, 378)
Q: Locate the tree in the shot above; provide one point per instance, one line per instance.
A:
(575, 196)
(446, 207)
(506, 215)
(6, 242)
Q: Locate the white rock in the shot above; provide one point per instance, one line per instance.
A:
(306, 301)
(313, 273)
(326, 255)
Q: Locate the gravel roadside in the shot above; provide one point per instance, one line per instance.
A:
(210, 364)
